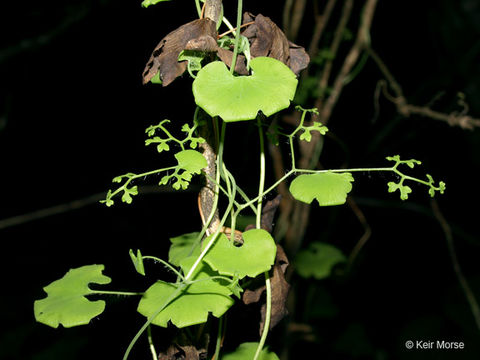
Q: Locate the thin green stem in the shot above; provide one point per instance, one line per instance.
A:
(170, 136)
(172, 297)
(231, 195)
(150, 343)
(226, 178)
(229, 25)
(136, 176)
(268, 315)
(199, 7)
(261, 184)
(238, 190)
(219, 277)
(233, 217)
(218, 343)
(230, 205)
(237, 36)
(119, 293)
(258, 224)
(271, 188)
(292, 136)
(164, 263)
(346, 170)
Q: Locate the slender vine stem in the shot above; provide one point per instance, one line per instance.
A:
(172, 297)
(268, 315)
(228, 24)
(199, 7)
(164, 263)
(112, 292)
(258, 225)
(137, 176)
(230, 205)
(261, 184)
(218, 343)
(150, 343)
(237, 36)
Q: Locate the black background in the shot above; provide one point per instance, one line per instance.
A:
(72, 116)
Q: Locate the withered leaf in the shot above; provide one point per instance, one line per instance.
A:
(299, 58)
(280, 289)
(227, 55)
(203, 43)
(164, 58)
(268, 213)
(183, 349)
(267, 39)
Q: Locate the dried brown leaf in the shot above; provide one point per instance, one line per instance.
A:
(227, 55)
(164, 58)
(203, 43)
(183, 349)
(279, 287)
(299, 58)
(268, 213)
(267, 39)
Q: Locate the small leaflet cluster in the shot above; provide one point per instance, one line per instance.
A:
(190, 162)
(403, 189)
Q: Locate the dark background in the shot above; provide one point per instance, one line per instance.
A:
(72, 116)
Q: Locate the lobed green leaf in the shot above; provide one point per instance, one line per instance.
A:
(269, 89)
(255, 256)
(147, 3)
(191, 161)
(318, 260)
(137, 261)
(182, 247)
(247, 351)
(66, 303)
(328, 188)
(194, 304)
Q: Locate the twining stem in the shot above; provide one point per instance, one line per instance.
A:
(218, 343)
(239, 190)
(199, 7)
(237, 36)
(233, 30)
(172, 297)
(268, 315)
(292, 135)
(142, 175)
(261, 184)
(230, 194)
(258, 225)
(150, 343)
(112, 292)
(228, 24)
(214, 237)
(164, 263)
(230, 205)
